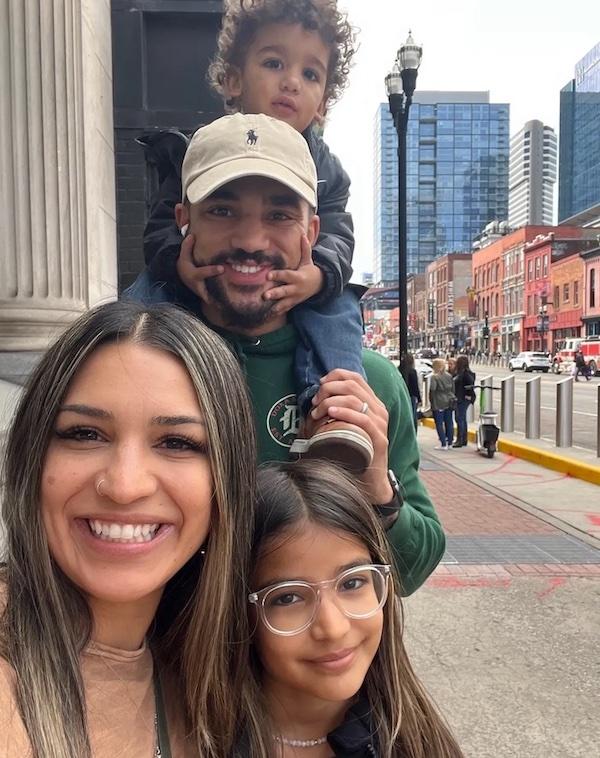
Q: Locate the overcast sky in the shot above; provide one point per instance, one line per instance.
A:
(522, 51)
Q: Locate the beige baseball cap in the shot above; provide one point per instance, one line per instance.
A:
(247, 145)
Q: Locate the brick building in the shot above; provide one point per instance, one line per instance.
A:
(448, 278)
(554, 284)
(537, 295)
(591, 292)
(420, 316)
(567, 298)
(512, 282)
(497, 271)
(415, 285)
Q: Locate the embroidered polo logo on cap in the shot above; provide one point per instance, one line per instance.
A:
(251, 137)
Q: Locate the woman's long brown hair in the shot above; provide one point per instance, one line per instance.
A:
(200, 631)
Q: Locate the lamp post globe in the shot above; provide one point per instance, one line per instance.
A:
(409, 57)
(400, 85)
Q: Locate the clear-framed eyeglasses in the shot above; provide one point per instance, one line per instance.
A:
(289, 608)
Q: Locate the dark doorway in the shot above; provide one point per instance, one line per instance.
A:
(161, 51)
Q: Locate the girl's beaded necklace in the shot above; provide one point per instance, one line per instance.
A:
(299, 743)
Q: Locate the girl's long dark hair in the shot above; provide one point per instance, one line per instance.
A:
(405, 722)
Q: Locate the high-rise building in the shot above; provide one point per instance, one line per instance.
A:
(531, 175)
(457, 177)
(579, 149)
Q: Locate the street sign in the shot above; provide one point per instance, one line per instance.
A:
(543, 324)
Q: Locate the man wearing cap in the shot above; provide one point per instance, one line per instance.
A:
(249, 201)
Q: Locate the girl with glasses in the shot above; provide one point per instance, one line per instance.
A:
(128, 512)
(329, 674)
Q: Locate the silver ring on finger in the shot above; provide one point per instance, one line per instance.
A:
(365, 407)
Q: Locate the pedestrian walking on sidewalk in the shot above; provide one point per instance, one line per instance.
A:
(464, 389)
(409, 374)
(581, 367)
(443, 403)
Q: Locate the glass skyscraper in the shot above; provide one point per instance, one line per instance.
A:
(579, 147)
(457, 177)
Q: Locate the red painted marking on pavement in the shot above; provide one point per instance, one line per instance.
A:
(593, 519)
(509, 459)
(507, 462)
(459, 583)
(553, 583)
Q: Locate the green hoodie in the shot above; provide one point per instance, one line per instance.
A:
(417, 538)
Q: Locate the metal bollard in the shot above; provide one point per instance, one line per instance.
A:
(488, 395)
(533, 401)
(564, 413)
(598, 424)
(507, 408)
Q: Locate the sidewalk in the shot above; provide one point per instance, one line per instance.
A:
(504, 633)
(577, 462)
(506, 517)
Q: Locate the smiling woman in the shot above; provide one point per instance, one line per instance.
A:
(124, 488)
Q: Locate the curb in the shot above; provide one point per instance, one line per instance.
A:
(562, 464)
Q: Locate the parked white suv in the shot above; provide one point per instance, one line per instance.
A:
(530, 361)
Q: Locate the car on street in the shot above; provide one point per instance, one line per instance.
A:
(427, 352)
(530, 361)
(423, 367)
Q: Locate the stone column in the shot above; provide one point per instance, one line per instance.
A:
(57, 187)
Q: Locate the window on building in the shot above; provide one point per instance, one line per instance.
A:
(575, 293)
(529, 270)
(556, 302)
(592, 288)
(537, 267)
(545, 266)
(565, 293)
(497, 305)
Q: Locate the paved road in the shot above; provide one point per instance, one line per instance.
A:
(585, 403)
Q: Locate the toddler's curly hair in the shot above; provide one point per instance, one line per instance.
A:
(243, 18)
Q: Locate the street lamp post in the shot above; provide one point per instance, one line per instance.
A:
(486, 331)
(400, 85)
(542, 325)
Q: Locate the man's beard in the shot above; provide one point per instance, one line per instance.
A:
(248, 315)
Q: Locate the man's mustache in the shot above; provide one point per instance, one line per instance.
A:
(241, 256)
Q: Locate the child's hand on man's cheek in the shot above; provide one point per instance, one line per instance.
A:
(190, 273)
(297, 285)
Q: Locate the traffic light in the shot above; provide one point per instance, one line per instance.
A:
(486, 329)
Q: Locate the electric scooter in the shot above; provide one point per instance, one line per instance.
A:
(488, 431)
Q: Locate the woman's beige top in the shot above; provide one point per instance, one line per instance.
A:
(120, 707)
